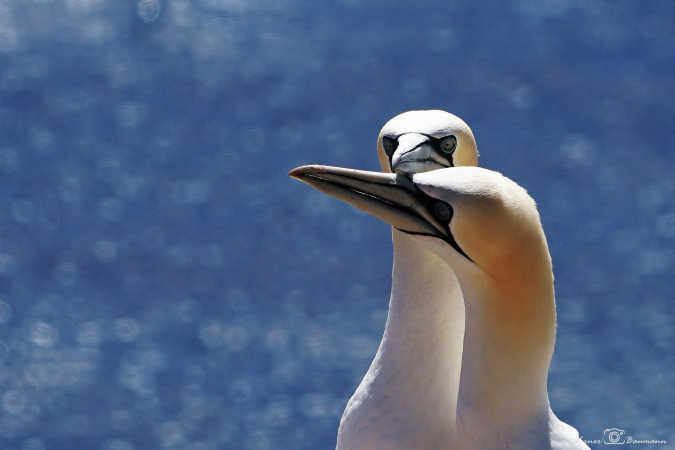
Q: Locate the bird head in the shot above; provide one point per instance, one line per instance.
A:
(467, 215)
(419, 141)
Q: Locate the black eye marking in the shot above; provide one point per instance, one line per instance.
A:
(444, 146)
(439, 210)
(389, 145)
(442, 211)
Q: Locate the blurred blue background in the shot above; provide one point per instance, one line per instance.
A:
(164, 284)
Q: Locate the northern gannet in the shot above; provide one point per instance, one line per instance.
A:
(475, 234)
(409, 143)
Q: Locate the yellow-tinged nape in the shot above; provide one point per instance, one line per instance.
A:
(495, 221)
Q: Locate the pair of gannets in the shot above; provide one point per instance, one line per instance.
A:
(470, 331)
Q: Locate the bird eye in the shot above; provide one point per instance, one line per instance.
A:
(442, 211)
(389, 145)
(448, 144)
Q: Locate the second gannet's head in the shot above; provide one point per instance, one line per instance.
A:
(469, 216)
(420, 141)
(493, 220)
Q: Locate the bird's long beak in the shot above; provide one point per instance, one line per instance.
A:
(413, 156)
(390, 197)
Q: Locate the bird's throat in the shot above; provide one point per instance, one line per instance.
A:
(412, 383)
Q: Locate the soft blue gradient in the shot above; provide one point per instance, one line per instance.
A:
(165, 285)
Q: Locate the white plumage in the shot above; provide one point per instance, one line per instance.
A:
(464, 358)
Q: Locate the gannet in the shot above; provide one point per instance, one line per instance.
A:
(419, 141)
(478, 235)
(415, 142)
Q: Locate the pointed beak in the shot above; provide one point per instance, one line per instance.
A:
(390, 197)
(414, 154)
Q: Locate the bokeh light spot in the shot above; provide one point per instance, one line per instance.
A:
(148, 10)
(126, 329)
(5, 312)
(43, 334)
